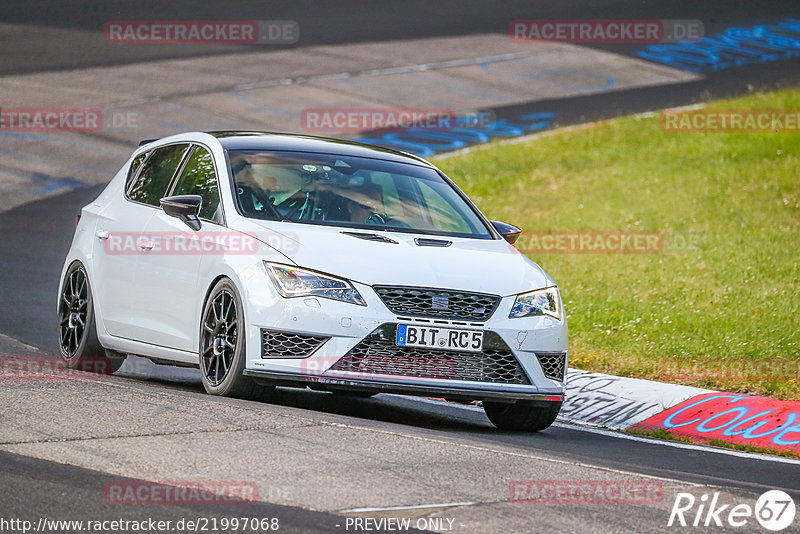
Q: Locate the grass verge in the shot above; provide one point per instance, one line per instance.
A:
(667, 435)
(719, 305)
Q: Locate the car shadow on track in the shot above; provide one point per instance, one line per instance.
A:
(410, 411)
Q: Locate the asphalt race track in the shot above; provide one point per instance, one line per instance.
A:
(319, 459)
(325, 23)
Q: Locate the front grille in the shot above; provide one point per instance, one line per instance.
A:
(553, 364)
(378, 354)
(276, 344)
(438, 303)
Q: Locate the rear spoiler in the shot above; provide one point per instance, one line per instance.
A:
(146, 141)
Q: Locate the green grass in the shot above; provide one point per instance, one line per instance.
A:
(751, 448)
(661, 433)
(720, 306)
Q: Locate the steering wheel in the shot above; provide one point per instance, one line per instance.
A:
(263, 199)
(294, 205)
(377, 218)
(384, 219)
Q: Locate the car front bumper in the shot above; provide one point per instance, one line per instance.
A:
(344, 328)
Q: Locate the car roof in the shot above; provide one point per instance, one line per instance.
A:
(244, 140)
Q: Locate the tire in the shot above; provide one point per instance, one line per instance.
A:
(222, 345)
(77, 328)
(521, 417)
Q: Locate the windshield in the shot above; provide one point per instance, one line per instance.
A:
(350, 191)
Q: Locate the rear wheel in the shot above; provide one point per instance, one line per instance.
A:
(77, 330)
(521, 417)
(222, 345)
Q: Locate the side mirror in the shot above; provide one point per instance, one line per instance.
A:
(509, 232)
(185, 208)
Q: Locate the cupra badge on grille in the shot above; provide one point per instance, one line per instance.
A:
(440, 302)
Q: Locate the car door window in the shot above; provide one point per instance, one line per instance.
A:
(198, 178)
(157, 173)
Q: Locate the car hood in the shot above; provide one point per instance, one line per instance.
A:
(480, 265)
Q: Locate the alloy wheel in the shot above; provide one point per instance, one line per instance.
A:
(73, 312)
(220, 336)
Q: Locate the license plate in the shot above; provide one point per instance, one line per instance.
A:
(439, 338)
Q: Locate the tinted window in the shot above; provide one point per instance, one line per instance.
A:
(198, 178)
(153, 180)
(137, 162)
(350, 191)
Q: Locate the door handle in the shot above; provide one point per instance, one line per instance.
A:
(102, 235)
(146, 245)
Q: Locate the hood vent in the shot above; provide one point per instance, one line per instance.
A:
(424, 242)
(371, 237)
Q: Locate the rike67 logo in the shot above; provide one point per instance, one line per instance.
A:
(774, 510)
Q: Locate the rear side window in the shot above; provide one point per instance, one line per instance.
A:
(137, 162)
(156, 174)
(198, 178)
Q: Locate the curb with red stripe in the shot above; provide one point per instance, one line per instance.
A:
(739, 419)
(699, 415)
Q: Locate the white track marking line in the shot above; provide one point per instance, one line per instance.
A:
(401, 69)
(643, 439)
(678, 444)
(411, 507)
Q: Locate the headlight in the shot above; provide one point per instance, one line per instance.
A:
(297, 282)
(540, 302)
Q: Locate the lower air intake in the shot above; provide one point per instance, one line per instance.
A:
(277, 344)
(553, 364)
(378, 354)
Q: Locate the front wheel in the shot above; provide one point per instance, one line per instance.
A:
(521, 417)
(77, 331)
(222, 345)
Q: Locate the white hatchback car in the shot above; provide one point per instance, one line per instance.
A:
(270, 259)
